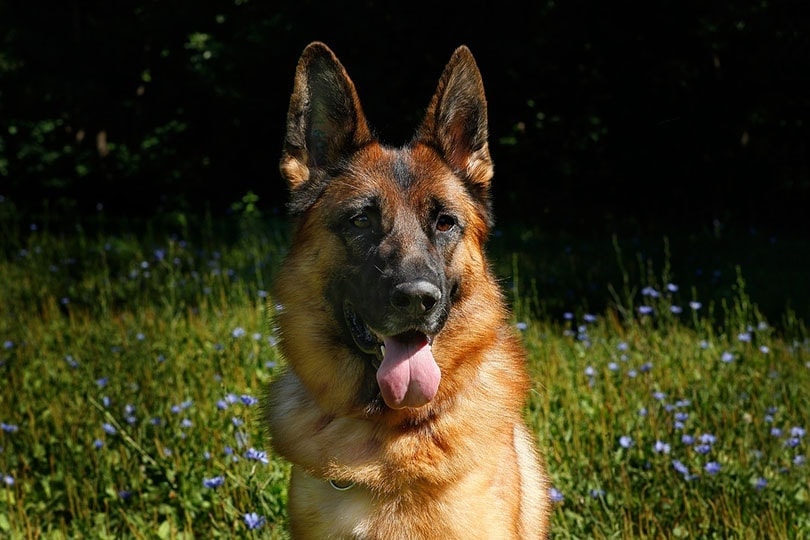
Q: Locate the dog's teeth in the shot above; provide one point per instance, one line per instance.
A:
(382, 349)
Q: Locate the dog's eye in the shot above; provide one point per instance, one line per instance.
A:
(361, 221)
(445, 223)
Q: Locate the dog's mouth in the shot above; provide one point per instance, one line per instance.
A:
(407, 373)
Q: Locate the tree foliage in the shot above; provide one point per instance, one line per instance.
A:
(669, 111)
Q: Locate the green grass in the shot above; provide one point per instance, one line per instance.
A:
(163, 339)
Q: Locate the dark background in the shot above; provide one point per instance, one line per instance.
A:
(658, 114)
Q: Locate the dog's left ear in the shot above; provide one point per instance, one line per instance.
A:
(325, 122)
(456, 120)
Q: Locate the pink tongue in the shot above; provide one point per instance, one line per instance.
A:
(408, 375)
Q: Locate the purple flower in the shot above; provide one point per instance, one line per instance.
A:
(589, 318)
(9, 428)
(799, 459)
(680, 467)
(253, 520)
(108, 428)
(760, 483)
(626, 441)
(687, 439)
(677, 310)
(238, 332)
(708, 438)
(792, 442)
(597, 493)
(645, 310)
(556, 495)
(712, 467)
(695, 305)
(214, 482)
(661, 447)
(258, 455)
(8, 480)
(671, 287)
(727, 357)
(797, 432)
(703, 449)
(649, 291)
(744, 337)
(249, 400)
(98, 443)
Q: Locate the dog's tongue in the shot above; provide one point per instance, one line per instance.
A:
(408, 375)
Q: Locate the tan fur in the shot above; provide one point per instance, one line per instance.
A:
(463, 465)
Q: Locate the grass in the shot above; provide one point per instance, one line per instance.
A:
(131, 364)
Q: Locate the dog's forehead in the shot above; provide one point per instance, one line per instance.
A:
(410, 170)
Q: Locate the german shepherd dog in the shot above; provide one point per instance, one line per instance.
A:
(401, 408)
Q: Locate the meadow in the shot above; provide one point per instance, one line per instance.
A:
(666, 402)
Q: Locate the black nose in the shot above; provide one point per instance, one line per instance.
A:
(415, 297)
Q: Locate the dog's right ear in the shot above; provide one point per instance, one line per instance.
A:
(324, 123)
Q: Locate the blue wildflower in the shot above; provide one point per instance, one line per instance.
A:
(258, 455)
(708, 438)
(238, 332)
(687, 439)
(792, 442)
(712, 467)
(108, 428)
(214, 482)
(556, 495)
(625, 441)
(660, 447)
(651, 292)
(249, 400)
(253, 520)
(680, 467)
(645, 310)
(9, 428)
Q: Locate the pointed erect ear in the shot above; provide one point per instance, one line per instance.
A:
(456, 120)
(324, 121)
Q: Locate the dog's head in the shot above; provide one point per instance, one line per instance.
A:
(386, 238)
